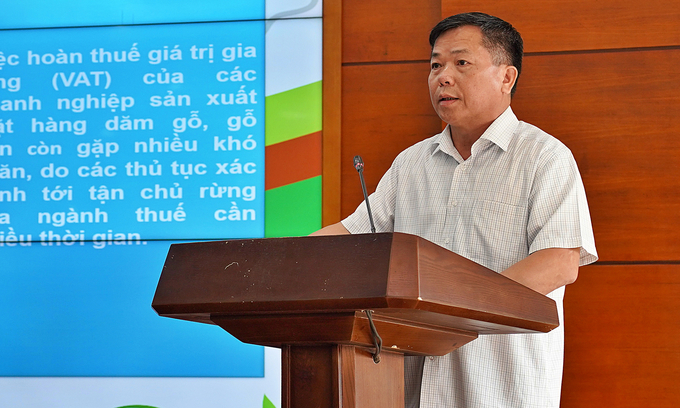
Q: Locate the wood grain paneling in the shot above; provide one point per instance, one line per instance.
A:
(617, 111)
(386, 108)
(332, 113)
(562, 25)
(387, 30)
(622, 331)
(371, 388)
(309, 377)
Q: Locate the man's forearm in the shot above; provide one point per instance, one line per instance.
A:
(333, 229)
(546, 270)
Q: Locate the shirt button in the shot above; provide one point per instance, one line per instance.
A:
(454, 202)
(431, 358)
(447, 241)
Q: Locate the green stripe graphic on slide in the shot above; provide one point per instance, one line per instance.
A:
(294, 209)
(293, 113)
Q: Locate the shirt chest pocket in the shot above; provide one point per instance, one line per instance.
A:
(498, 234)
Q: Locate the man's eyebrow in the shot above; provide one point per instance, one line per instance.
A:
(457, 51)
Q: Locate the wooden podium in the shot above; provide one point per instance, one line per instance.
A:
(309, 296)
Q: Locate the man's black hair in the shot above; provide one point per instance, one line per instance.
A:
(499, 37)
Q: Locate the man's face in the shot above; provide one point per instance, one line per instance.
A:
(467, 90)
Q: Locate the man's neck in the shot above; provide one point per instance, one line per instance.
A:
(464, 137)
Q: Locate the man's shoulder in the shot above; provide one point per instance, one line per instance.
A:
(531, 138)
(421, 149)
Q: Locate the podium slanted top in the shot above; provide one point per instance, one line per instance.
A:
(399, 276)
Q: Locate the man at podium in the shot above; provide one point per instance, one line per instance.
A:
(498, 191)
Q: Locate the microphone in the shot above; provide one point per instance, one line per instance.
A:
(359, 165)
(377, 340)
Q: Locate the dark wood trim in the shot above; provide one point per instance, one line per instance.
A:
(332, 113)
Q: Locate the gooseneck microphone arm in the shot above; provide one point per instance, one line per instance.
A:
(377, 340)
(359, 165)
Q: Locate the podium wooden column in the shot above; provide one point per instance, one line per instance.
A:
(309, 295)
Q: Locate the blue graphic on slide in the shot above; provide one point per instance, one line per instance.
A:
(145, 132)
(78, 311)
(126, 126)
(110, 138)
(50, 13)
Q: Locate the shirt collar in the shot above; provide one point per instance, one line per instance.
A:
(502, 129)
(444, 143)
(500, 132)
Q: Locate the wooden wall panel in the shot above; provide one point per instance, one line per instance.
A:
(616, 111)
(622, 337)
(620, 120)
(385, 102)
(588, 80)
(386, 108)
(332, 112)
(565, 25)
(388, 30)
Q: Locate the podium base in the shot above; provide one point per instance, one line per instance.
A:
(341, 376)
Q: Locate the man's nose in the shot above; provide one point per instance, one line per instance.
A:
(445, 77)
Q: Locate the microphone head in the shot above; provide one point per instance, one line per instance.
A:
(358, 163)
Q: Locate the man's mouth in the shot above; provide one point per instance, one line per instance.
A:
(447, 98)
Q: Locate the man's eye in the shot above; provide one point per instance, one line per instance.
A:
(463, 62)
(435, 65)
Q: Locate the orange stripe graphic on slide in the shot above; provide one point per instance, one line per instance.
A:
(292, 161)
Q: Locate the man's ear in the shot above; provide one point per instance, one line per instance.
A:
(509, 78)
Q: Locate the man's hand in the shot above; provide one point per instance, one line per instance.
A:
(333, 229)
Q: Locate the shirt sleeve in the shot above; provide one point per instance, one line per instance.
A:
(558, 210)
